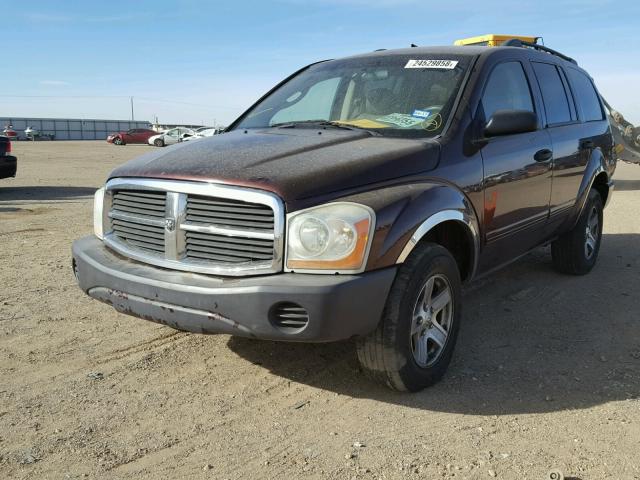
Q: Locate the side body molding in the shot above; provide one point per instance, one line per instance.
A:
(438, 218)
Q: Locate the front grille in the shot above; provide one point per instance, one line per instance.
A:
(134, 219)
(228, 213)
(204, 228)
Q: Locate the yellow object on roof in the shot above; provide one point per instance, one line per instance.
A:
(493, 40)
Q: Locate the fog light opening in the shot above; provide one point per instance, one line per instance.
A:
(289, 317)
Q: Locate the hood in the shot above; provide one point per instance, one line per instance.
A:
(293, 163)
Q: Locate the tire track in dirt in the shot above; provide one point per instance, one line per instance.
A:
(144, 346)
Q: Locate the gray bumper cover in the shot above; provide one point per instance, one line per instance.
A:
(339, 306)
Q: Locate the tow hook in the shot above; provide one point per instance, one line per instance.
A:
(554, 474)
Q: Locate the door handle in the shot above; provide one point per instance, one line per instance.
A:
(543, 155)
(587, 144)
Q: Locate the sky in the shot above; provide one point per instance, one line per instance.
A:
(205, 62)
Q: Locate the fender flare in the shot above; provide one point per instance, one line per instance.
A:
(436, 219)
(595, 167)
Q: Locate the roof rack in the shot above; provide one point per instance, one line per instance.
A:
(515, 42)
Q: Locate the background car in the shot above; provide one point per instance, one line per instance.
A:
(201, 133)
(135, 135)
(171, 136)
(10, 133)
(34, 134)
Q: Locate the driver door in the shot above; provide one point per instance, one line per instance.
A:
(517, 171)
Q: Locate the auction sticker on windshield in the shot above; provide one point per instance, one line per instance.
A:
(401, 120)
(445, 64)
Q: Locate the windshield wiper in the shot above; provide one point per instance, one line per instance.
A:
(322, 123)
(295, 123)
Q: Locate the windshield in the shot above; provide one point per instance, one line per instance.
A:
(394, 95)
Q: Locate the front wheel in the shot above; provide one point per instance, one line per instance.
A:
(414, 341)
(118, 141)
(158, 142)
(576, 251)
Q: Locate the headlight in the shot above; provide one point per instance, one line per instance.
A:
(98, 202)
(334, 237)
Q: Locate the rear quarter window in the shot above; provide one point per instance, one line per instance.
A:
(586, 95)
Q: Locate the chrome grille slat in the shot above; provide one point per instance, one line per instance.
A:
(227, 203)
(228, 222)
(141, 240)
(141, 235)
(231, 212)
(133, 204)
(230, 240)
(146, 246)
(196, 242)
(199, 250)
(139, 211)
(221, 257)
(138, 226)
(199, 227)
(140, 194)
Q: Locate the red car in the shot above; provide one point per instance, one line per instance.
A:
(135, 135)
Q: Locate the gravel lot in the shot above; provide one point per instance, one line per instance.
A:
(546, 372)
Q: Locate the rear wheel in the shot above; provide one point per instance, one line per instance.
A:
(576, 251)
(158, 142)
(414, 341)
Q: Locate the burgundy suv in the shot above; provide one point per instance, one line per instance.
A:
(355, 198)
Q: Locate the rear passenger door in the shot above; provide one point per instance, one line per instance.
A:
(592, 132)
(517, 187)
(569, 159)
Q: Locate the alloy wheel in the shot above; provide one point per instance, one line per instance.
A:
(432, 320)
(592, 233)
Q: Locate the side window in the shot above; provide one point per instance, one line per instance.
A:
(315, 104)
(554, 96)
(586, 95)
(507, 89)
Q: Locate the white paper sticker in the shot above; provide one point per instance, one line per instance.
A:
(444, 64)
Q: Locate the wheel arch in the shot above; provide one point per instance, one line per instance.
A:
(596, 176)
(456, 231)
(428, 210)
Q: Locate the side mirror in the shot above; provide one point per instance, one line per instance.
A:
(510, 122)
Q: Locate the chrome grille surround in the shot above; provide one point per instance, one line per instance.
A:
(195, 246)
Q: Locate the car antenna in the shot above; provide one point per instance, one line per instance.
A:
(413, 45)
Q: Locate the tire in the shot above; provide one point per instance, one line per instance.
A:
(118, 141)
(158, 142)
(576, 251)
(391, 354)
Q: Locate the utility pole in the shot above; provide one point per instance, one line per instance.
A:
(132, 118)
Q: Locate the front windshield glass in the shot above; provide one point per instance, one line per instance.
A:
(394, 95)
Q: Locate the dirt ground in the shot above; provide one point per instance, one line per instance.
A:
(546, 371)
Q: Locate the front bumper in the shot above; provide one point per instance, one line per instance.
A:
(338, 306)
(8, 166)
